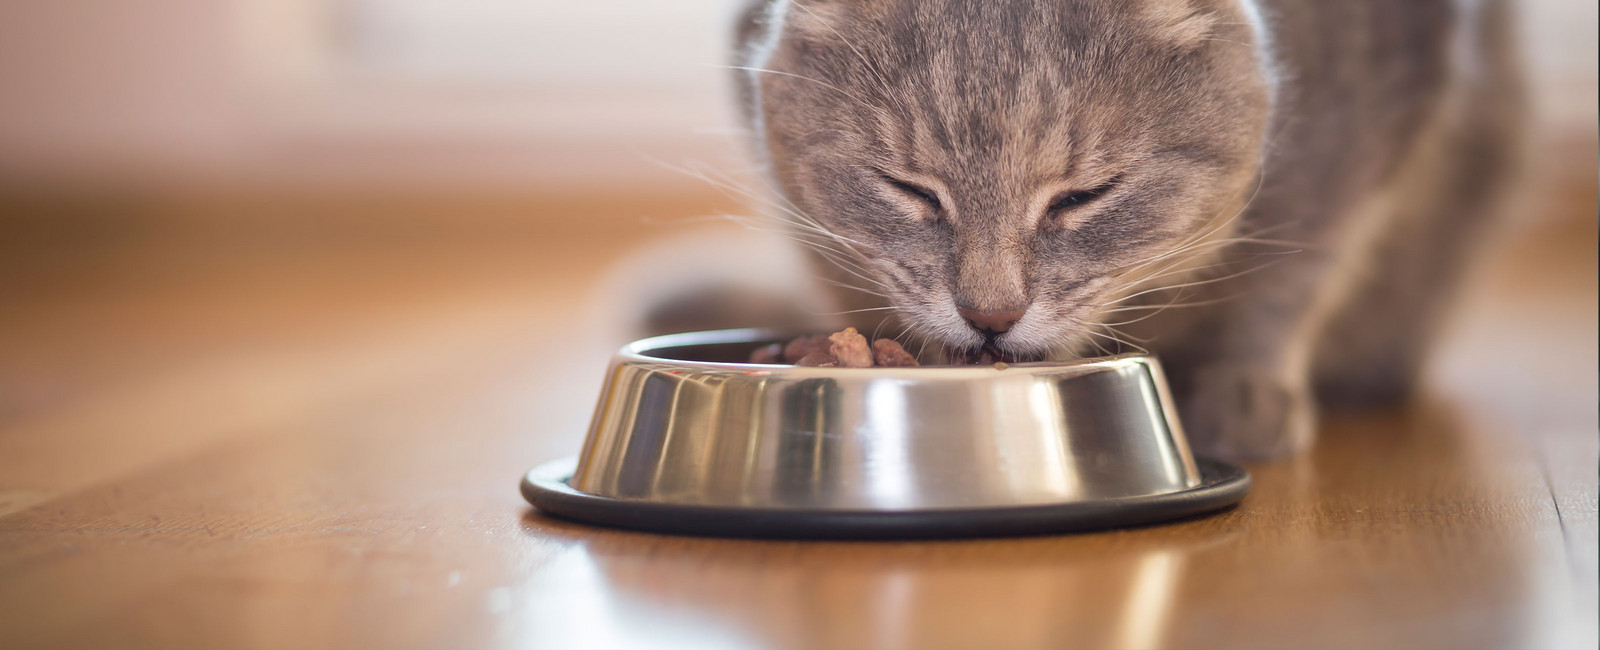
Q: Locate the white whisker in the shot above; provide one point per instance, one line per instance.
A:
(1195, 283)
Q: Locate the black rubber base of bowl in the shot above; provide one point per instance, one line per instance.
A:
(1222, 485)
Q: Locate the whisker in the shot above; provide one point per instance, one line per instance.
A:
(728, 185)
(1207, 233)
(1171, 305)
(849, 268)
(796, 76)
(1116, 340)
(1196, 283)
(1144, 317)
(863, 309)
(733, 190)
(843, 285)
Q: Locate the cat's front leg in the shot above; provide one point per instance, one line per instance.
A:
(1241, 369)
(1245, 408)
(1242, 363)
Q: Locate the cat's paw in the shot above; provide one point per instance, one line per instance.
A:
(1247, 412)
(1377, 385)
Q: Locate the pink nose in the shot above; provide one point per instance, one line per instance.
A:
(994, 322)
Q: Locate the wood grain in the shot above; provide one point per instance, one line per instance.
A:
(250, 443)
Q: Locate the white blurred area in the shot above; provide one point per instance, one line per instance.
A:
(522, 95)
(450, 95)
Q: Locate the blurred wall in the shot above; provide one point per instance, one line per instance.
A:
(451, 95)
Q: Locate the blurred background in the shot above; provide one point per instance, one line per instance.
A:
(360, 95)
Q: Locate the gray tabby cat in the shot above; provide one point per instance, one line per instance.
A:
(1272, 195)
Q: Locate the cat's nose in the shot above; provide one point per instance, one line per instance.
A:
(991, 322)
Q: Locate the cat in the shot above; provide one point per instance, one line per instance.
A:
(1273, 196)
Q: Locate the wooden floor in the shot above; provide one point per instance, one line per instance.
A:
(262, 437)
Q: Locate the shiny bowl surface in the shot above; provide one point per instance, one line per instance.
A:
(681, 421)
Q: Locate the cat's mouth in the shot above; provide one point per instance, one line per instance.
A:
(987, 354)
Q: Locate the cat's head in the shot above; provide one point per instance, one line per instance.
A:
(998, 168)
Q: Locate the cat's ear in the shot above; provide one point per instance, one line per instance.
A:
(1179, 23)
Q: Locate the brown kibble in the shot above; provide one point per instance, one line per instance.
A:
(850, 348)
(767, 354)
(804, 346)
(843, 349)
(818, 360)
(889, 354)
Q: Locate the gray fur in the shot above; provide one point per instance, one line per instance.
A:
(1216, 151)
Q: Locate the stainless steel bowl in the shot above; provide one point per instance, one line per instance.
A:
(684, 431)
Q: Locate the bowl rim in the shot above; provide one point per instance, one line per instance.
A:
(638, 352)
(546, 488)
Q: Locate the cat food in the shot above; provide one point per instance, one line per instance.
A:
(843, 349)
(805, 346)
(850, 348)
(818, 360)
(888, 354)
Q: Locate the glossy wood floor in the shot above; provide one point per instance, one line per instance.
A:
(262, 437)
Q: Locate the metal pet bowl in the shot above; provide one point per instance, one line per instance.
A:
(688, 439)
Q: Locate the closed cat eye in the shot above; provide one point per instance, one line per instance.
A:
(1074, 199)
(916, 191)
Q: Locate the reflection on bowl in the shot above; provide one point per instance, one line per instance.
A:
(679, 421)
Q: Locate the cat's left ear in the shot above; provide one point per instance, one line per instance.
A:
(1181, 23)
